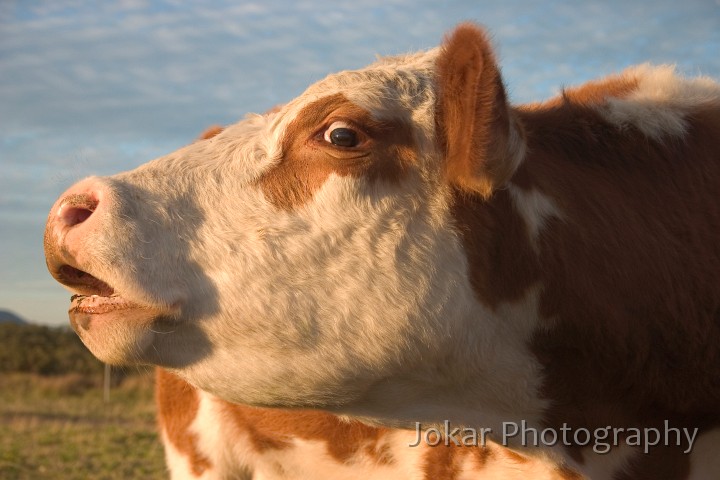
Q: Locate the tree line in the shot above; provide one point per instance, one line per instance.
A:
(44, 350)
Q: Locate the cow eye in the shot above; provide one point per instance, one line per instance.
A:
(341, 134)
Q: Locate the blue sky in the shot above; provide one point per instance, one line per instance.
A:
(100, 87)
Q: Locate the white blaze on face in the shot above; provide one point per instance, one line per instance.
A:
(336, 285)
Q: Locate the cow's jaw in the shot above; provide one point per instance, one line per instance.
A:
(115, 327)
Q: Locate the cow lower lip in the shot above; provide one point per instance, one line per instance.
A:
(98, 304)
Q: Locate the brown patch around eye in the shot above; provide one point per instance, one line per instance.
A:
(307, 160)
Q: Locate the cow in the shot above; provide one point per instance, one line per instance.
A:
(401, 245)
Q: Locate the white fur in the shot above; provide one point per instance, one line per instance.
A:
(179, 465)
(403, 237)
(535, 209)
(662, 100)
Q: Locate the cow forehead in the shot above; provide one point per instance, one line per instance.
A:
(393, 88)
(391, 101)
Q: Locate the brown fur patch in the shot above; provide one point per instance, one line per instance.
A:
(177, 405)
(275, 428)
(440, 462)
(631, 274)
(593, 93)
(502, 263)
(386, 152)
(450, 462)
(210, 132)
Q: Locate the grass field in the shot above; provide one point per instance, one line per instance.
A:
(60, 428)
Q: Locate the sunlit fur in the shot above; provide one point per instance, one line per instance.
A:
(393, 299)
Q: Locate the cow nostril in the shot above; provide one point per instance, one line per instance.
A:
(72, 216)
(75, 209)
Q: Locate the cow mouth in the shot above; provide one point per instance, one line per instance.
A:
(82, 282)
(99, 304)
(116, 328)
(94, 297)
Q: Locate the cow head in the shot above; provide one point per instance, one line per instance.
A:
(308, 256)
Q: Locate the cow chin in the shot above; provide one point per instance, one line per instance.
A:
(118, 336)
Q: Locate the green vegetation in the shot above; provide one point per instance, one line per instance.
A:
(44, 350)
(54, 423)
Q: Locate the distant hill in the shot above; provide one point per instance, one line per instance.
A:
(7, 316)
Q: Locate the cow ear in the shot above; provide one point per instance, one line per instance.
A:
(483, 141)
